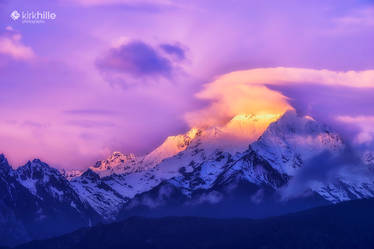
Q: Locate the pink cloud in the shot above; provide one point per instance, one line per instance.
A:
(366, 125)
(359, 18)
(11, 45)
(116, 2)
(138, 63)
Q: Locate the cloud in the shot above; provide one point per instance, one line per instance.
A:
(86, 123)
(357, 19)
(174, 50)
(83, 119)
(327, 168)
(137, 59)
(33, 124)
(164, 193)
(365, 125)
(330, 104)
(228, 101)
(11, 45)
(90, 112)
(59, 145)
(289, 75)
(212, 197)
(88, 3)
(254, 91)
(136, 63)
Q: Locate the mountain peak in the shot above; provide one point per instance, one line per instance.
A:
(117, 163)
(36, 163)
(179, 142)
(192, 133)
(71, 174)
(4, 165)
(249, 127)
(255, 117)
(291, 122)
(37, 169)
(3, 159)
(293, 139)
(170, 147)
(90, 174)
(119, 157)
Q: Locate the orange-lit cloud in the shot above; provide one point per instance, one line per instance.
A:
(246, 92)
(228, 100)
(248, 127)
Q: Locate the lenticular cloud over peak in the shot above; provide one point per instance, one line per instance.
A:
(263, 91)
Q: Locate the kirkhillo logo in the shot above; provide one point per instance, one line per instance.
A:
(33, 17)
(15, 15)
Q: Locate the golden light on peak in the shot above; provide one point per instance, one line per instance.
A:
(250, 127)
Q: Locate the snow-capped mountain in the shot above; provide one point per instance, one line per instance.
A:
(49, 185)
(36, 197)
(117, 163)
(204, 159)
(101, 196)
(208, 155)
(176, 153)
(249, 127)
(70, 174)
(16, 203)
(292, 140)
(255, 165)
(276, 161)
(170, 147)
(300, 145)
(234, 136)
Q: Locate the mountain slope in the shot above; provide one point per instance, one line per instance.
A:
(101, 196)
(35, 198)
(170, 147)
(117, 163)
(182, 152)
(297, 159)
(16, 204)
(342, 226)
(292, 140)
(316, 158)
(210, 166)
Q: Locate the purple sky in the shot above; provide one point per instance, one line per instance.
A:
(122, 75)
